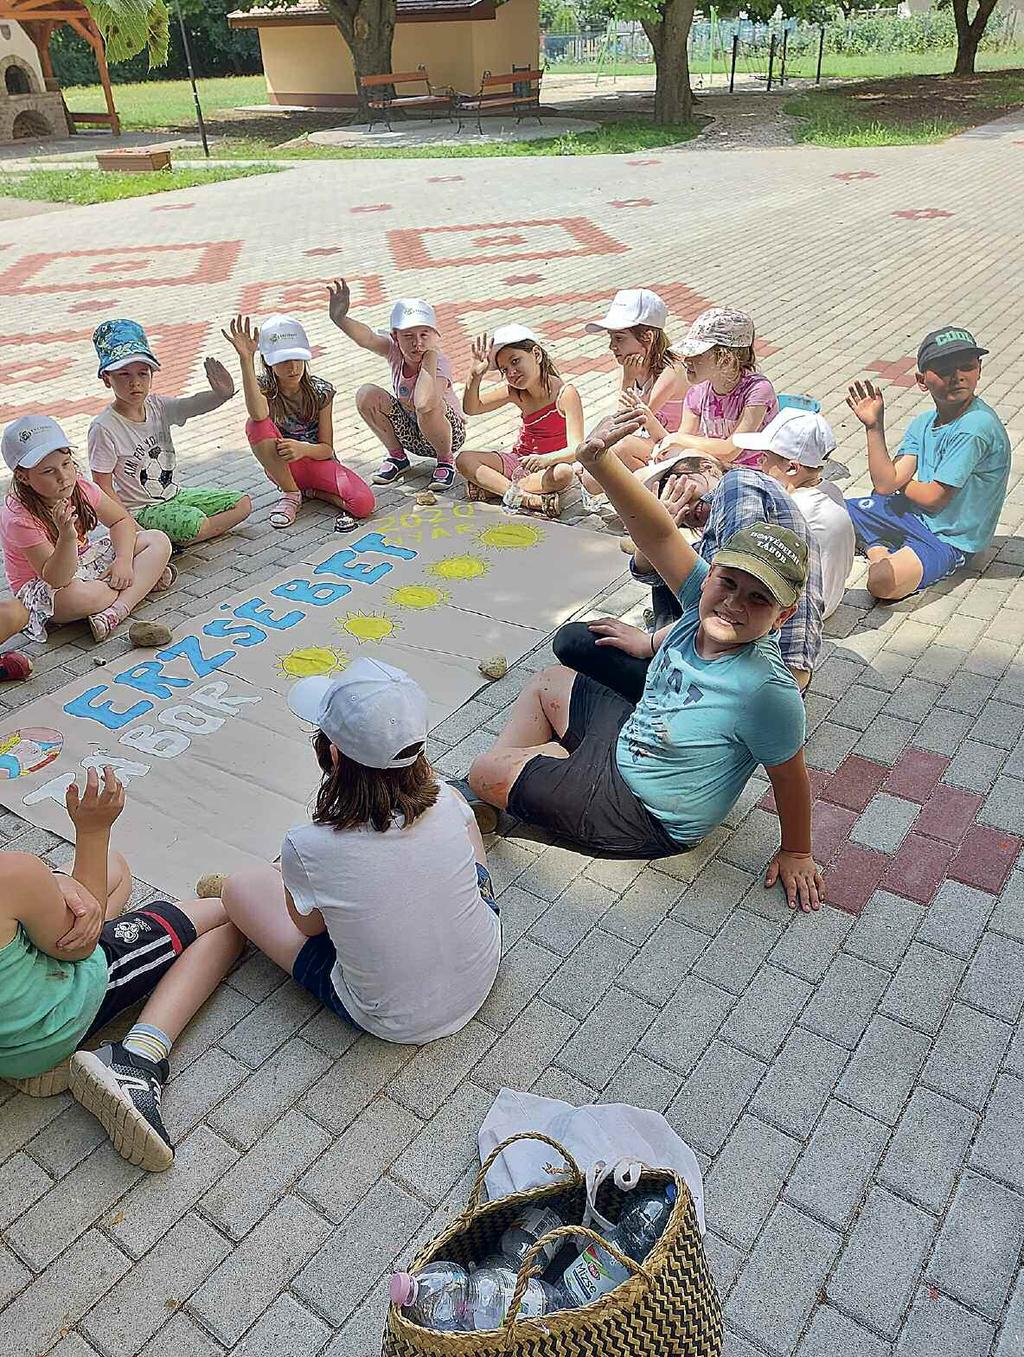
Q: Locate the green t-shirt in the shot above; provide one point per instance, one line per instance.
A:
(46, 1005)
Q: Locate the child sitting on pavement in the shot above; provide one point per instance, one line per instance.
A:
(421, 415)
(382, 907)
(577, 759)
(131, 451)
(536, 469)
(938, 500)
(71, 961)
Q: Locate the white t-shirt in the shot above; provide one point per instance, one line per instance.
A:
(141, 456)
(825, 510)
(418, 948)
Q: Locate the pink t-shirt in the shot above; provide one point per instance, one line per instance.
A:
(719, 415)
(20, 530)
(405, 384)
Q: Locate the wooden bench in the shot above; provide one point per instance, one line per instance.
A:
(383, 96)
(517, 91)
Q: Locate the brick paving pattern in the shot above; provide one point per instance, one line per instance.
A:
(853, 1083)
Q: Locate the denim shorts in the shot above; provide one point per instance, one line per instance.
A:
(890, 521)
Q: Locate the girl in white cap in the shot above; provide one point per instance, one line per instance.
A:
(291, 423)
(533, 472)
(653, 375)
(383, 906)
(421, 414)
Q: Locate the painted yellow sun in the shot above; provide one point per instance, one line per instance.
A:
(313, 660)
(368, 626)
(512, 536)
(418, 596)
(459, 568)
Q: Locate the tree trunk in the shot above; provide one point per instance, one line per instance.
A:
(673, 98)
(969, 33)
(368, 27)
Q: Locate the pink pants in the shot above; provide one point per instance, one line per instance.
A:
(330, 477)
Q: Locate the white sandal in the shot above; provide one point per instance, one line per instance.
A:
(284, 512)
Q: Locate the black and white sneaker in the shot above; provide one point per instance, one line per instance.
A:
(122, 1091)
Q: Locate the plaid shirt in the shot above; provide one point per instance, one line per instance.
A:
(745, 496)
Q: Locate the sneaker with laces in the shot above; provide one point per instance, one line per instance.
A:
(122, 1091)
(389, 470)
(443, 477)
(104, 624)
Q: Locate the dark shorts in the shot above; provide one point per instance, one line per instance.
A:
(890, 521)
(141, 947)
(583, 798)
(315, 962)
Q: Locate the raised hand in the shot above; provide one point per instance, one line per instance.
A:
(219, 378)
(481, 356)
(244, 337)
(604, 437)
(867, 403)
(98, 807)
(339, 300)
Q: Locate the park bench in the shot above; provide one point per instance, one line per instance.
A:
(517, 91)
(383, 96)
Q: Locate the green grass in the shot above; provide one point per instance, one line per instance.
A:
(834, 121)
(98, 186)
(882, 65)
(168, 103)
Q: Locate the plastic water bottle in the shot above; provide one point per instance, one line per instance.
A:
(525, 1230)
(595, 1271)
(434, 1297)
(489, 1295)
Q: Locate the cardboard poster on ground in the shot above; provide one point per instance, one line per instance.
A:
(217, 769)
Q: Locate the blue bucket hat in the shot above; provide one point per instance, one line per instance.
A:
(120, 342)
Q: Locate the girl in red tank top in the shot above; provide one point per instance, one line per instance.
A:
(538, 466)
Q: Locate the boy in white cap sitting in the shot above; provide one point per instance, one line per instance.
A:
(938, 500)
(794, 448)
(131, 452)
(421, 415)
(383, 907)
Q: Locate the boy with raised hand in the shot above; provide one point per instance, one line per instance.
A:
(938, 500)
(578, 759)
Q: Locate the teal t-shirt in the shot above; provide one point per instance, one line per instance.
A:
(702, 726)
(971, 453)
(46, 1005)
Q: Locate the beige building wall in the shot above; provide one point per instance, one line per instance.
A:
(15, 42)
(310, 63)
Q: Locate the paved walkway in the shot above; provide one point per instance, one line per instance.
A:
(853, 1082)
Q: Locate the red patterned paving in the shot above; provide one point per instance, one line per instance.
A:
(290, 295)
(899, 371)
(915, 775)
(198, 264)
(411, 249)
(854, 783)
(853, 877)
(373, 207)
(522, 278)
(852, 175)
(633, 202)
(922, 213)
(985, 858)
(948, 814)
(918, 868)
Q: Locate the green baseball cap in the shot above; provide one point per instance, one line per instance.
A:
(773, 555)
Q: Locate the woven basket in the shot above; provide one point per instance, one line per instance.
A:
(668, 1308)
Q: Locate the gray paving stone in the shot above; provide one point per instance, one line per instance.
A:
(927, 1150)
(834, 1169)
(218, 1015)
(937, 1327)
(1011, 1337)
(287, 1329)
(754, 842)
(799, 1082)
(429, 1078)
(999, 1147)
(885, 739)
(745, 1180)
(967, 693)
(979, 1245)
(735, 1346)
(445, 1146)
(883, 1070)
(565, 924)
(519, 912)
(588, 972)
(182, 1337)
(660, 966)
(267, 1094)
(735, 954)
(527, 1048)
(845, 1001)
(360, 1334)
(565, 1088)
(613, 1028)
(829, 745)
(553, 871)
(966, 1056)
(942, 731)
(269, 1025)
(23, 1117)
(362, 1246)
(724, 1261)
(810, 943)
(999, 723)
(58, 1297)
(859, 706)
(354, 1081)
(923, 987)
(642, 907)
(714, 1096)
(779, 1285)
(975, 766)
(357, 1158)
(956, 919)
(995, 978)
(878, 1271)
(766, 1011)
(884, 823)
(235, 1295)
(913, 700)
(129, 1316)
(643, 1083)
(834, 1335)
(192, 1094)
(522, 974)
(884, 929)
(22, 1182)
(1008, 914)
(73, 1346)
(13, 1275)
(711, 898)
(1004, 805)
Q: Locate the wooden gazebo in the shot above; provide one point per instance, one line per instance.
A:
(39, 18)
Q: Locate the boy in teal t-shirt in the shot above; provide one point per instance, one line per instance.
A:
(575, 757)
(938, 500)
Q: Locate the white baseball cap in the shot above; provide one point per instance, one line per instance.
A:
(634, 306)
(29, 439)
(409, 313)
(283, 340)
(797, 435)
(718, 325)
(371, 712)
(512, 334)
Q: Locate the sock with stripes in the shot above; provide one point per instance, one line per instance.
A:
(148, 1041)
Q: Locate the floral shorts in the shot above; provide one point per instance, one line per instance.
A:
(37, 596)
(408, 433)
